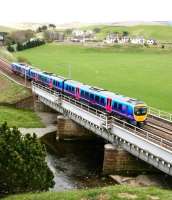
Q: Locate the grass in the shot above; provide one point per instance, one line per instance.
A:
(19, 117)
(143, 73)
(107, 193)
(6, 54)
(11, 92)
(158, 32)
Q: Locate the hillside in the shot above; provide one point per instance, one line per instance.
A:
(159, 32)
(6, 54)
(11, 93)
(6, 29)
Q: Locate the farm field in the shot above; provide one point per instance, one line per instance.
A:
(143, 73)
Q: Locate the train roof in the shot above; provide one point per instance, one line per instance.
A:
(105, 93)
(22, 65)
(121, 97)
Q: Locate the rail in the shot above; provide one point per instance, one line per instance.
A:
(143, 133)
(160, 114)
(109, 121)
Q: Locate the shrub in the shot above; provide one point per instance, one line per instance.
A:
(22, 162)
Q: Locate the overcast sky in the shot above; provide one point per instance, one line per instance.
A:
(64, 11)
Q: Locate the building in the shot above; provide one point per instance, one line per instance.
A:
(151, 42)
(137, 40)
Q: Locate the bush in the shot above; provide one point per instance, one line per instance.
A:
(22, 163)
(10, 48)
(29, 44)
(23, 60)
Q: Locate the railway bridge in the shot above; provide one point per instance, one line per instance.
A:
(153, 144)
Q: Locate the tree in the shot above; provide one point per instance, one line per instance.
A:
(125, 33)
(97, 30)
(10, 48)
(52, 26)
(22, 36)
(68, 31)
(44, 28)
(22, 163)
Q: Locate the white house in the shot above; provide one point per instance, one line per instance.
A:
(137, 40)
(1, 37)
(151, 42)
(77, 33)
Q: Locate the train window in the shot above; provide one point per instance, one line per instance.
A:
(58, 84)
(97, 99)
(120, 107)
(73, 89)
(124, 107)
(67, 87)
(115, 106)
(91, 97)
(87, 95)
(82, 93)
(102, 101)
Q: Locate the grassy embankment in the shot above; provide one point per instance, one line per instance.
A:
(108, 193)
(9, 94)
(143, 73)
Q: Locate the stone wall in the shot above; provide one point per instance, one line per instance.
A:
(119, 161)
(27, 103)
(68, 129)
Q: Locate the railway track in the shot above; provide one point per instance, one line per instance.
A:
(157, 127)
(5, 69)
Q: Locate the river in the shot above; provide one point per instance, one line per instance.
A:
(75, 164)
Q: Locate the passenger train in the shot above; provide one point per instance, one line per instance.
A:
(132, 110)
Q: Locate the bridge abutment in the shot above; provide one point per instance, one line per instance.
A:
(68, 129)
(41, 107)
(119, 161)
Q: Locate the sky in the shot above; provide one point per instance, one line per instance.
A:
(88, 11)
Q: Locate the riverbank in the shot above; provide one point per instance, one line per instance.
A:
(107, 193)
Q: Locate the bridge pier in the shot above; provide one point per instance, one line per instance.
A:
(119, 161)
(41, 107)
(68, 129)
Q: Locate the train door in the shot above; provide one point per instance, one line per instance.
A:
(77, 93)
(51, 83)
(109, 105)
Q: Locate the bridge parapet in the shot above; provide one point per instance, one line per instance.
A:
(142, 144)
(160, 114)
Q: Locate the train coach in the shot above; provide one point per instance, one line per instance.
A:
(132, 110)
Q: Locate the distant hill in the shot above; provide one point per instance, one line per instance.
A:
(6, 29)
(160, 32)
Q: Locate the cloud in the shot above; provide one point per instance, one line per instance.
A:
(62, 11)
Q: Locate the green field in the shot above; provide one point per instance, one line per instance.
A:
(143, 73)
(158, 32)
(11, 92)
(107, 193)
(19, 118)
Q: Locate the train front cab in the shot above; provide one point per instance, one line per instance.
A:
(140, 114)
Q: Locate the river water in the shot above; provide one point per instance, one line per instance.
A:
(75, 164)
